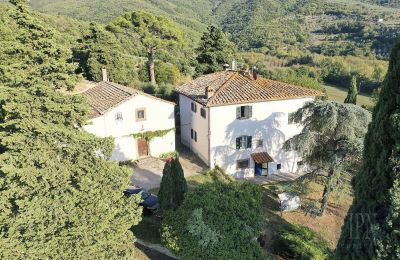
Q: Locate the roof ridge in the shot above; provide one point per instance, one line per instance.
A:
(209, 101)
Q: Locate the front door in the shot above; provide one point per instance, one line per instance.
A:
(258, 169)
(143, 148)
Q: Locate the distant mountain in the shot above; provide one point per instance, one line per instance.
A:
(329, 27)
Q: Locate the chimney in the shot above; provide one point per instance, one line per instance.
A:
(254, 71)
(233, 65)
(209, 92)
(105, 75)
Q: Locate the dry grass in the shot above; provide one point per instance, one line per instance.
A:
(339, 95)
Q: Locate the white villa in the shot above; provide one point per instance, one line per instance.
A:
(239, 121)
(128, 115)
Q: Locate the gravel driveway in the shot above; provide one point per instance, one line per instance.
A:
(148, 172)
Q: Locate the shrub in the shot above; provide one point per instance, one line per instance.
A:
(299, 242)
(216, 221)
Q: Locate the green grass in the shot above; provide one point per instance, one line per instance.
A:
(148, 229)
(339, 94)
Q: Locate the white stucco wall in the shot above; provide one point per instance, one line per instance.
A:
(269, 122)
(159, 116)
(190, 120)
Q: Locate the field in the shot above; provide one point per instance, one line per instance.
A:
(339, 94)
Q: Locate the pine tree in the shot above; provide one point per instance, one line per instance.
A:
(59, 197)
(352, 93)
(173, 185)
(214, 51)
(372, 226)
(155, 32)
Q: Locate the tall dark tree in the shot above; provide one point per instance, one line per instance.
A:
(31, 54)
(331, 140)
(214, 51)
(155, 32)
(173, 185)
(372, 226)
(352, 93)
(100, 49)
(59, 197)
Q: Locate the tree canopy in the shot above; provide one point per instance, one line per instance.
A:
(155, 32)
(60, 198)
(214, 51)
(372, 226)
(331, 140)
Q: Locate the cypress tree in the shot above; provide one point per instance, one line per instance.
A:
(352, 93)
(372, 226)
(173, 185)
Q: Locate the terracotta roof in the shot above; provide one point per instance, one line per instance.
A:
(232, 87)
(263, 157)
(106, 95)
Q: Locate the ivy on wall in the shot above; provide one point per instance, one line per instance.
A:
(149, 135)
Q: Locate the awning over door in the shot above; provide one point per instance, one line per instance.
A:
(261, 158)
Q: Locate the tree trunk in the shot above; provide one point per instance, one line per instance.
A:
(150, 62)
(327, 190)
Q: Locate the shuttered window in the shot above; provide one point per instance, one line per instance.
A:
(244, 112)
(203, 112)
(243, 142)
(194, 107)
(193, 135)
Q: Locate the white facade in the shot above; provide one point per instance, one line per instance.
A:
(121, 123)
(217, 133)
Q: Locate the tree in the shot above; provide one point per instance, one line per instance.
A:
(59, 197)
(372, 226)
(154, 31)
(331, 140)
(218, 220)
(31, 54)
(101, 49)
(173, 185)
(352, 93)
(214, 51)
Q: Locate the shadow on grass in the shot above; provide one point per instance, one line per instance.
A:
(148, 229)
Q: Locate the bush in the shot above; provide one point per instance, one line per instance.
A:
(299, 242)
(216, 221)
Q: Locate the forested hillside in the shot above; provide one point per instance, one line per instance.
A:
(308, 42)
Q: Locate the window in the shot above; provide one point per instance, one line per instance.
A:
(118, 116)
(260, 143)
(242, 164)
(193, 135)
(203, 112)
(291, 118)
(279, 166)
(243, 142)
(193, 107)
(140, 114)
(244, 112)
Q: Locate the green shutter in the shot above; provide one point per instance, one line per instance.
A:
(238, 112)
(249, 141)
(250, 112)
(238, 143)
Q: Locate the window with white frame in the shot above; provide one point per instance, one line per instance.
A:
(140, 114)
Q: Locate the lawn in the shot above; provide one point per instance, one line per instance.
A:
(339, 94)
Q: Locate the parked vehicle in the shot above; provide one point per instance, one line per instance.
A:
(149, 201)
